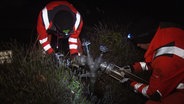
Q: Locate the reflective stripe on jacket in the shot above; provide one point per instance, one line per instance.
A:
(166, 58)
(45, 22)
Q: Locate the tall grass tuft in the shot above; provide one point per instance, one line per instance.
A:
(32, 78)
(121, 52)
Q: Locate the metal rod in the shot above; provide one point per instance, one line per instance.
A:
(131, 74)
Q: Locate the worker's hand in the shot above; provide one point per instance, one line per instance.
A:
(127, 68)
(79, 60)
(72, 56)
(124, 80)
(58, 58)
(127, 84)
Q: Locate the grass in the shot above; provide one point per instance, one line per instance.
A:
(32, 78)
(121, 52)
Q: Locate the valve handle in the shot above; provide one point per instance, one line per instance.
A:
(103, 49)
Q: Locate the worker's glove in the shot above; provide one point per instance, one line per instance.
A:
(79, 60)
(127, 84)
(127, 68)
(124, 80)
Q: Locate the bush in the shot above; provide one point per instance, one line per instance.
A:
(121, 52)
(32, 78)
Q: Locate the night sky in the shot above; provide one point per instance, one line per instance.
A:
(19, 17)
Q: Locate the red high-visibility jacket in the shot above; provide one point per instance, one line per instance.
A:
(165, 57)
(45, 22)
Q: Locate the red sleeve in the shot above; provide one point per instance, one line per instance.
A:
(43, 35)
(75, 45)
(148, 90)
(140, 87)
(165, 77)
(141, 66)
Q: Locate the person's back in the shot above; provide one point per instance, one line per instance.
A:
(165, 58)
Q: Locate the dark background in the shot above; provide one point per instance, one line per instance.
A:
(19, 17)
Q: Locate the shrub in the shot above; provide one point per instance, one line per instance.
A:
(32, 78)
(121, 52)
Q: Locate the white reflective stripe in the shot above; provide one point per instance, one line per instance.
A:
(45, 18)
(77, 22)
(43, 40)
(74, 40)
(73, 46)
(47, 47)
(144, 91)
(170, 50)
(143, 66)
(159, 92)
(180, 86)
(136, 86)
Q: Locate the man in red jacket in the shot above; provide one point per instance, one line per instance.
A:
(164, 44)
(59, 23)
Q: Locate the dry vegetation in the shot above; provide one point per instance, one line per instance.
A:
(32, 78)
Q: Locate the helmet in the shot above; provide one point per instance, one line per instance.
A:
(142, 30)
(64, 21)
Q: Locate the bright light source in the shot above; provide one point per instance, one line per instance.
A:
(129, 36)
